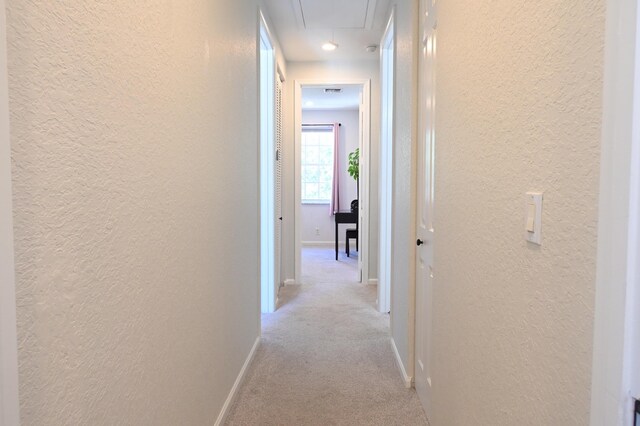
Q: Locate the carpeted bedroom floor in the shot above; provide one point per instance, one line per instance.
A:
(325, 356)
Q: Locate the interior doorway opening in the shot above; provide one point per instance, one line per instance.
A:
(331, 127)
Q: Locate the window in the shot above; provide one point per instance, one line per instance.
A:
(317, 163)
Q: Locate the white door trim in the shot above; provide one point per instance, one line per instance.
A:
(387, 125)
(617, 277)
(266, 146)
(364, 169)
(9, 407)
(632, 337)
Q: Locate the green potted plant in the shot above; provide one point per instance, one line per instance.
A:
(354, 172)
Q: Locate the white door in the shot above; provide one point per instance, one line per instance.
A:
(425, 202)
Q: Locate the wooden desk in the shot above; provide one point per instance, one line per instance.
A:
(344, 217)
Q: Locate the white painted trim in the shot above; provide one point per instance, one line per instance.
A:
(365, 184)
(614, 315)
(632, 335)
(289, 281)
(372, 281)
(408, 380)
(9, 403)
(224, 412)
(266, 149)
(264, 26)
(364, 226)
(385, 187)
(297, 178)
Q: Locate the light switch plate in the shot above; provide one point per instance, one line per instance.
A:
(533, 206)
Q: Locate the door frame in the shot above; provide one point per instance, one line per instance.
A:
(616, 368)
(9, 403)
(365, 156)
(387, 126)
(266, 147)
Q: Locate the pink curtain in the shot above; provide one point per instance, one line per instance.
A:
(334, 204)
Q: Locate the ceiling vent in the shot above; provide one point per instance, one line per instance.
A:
(332, 90)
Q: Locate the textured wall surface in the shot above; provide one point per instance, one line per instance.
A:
(323, 71)
(134, 149)
(317, 215)
(403, 235)
(518, 108)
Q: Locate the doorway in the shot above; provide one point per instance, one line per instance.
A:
(330, 135)
(316, 114)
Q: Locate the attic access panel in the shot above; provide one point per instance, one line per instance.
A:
(326, 14)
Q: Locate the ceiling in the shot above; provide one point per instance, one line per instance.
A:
(314, 97)
(302, 26)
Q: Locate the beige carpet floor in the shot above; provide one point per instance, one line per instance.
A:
(325, 357)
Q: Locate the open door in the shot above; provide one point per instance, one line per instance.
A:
(425, 202)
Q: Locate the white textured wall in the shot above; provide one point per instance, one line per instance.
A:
(518, 108)
(134, 148)
(328, 71)
(317, 215)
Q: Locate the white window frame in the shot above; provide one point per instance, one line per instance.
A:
(316, 128)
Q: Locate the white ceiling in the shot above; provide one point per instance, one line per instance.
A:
(314, 97)
(302, 26)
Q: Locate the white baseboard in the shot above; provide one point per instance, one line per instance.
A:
(373, 281)
(289, 281)
(234, 390)
(408, 381)
(325, 244)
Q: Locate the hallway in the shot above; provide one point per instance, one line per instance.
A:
(144, 144)
(325, 356)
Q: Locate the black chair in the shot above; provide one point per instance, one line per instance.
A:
(351, 233)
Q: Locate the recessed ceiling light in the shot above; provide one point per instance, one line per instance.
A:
(329, 46)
